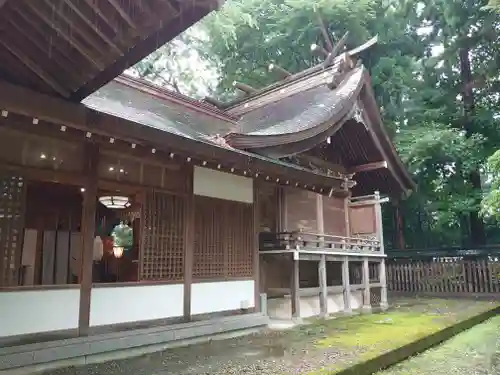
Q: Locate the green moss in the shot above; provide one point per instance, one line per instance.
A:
(370, 336)
(381, 330)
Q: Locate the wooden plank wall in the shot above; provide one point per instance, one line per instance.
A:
(444, 276)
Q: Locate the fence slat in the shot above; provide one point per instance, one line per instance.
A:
(444, 276)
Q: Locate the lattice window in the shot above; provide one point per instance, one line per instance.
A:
(224, 245)
(239, 238)
(209, 257)
(12, 191)
(163, 237)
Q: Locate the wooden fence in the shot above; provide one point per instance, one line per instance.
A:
(444, 275)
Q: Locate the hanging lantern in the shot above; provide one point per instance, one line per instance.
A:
(118, 251)
(115, 201)
(123, 239)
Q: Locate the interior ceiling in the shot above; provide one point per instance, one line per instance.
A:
(70, 48)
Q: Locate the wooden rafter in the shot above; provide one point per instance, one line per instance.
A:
(278, 69)
(86, 17)
(75, 44)
(335, 51)
(319, 50)
(368, 167)
(214, 102)
(173, 5)
(94, 5)
(75, 24)
(322, 163)
(34, 32)
(324, 31)
(35, 68)
(123, 14)
(60, 60)
(244, 87)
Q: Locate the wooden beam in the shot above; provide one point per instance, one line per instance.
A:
(324, 31)
(368, 167)
(44, 46)
(77, 25)
(214, 102)
(86, 17)
(111, 22)
(323, 289)
(46, 175)
(91, 161)
(139, 50)
(76, 115)
(366, 286)
(63, 34)
(295, 287)
(189, 235)
(173, 5)
(256, 250)
(245, 88)
(35, 68)
(278, 69)
(319, 50)
(47, 38)
(346, 286)
(336, 50)
(123, 14)
(323, 163)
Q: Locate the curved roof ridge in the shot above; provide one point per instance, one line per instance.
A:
(300, 76)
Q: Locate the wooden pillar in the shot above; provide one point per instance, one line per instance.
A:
(188, 249)
(347, 218)
(256, 250)
(366, 286)
(319, 214)
(295, 286)
(91, 160)
(383, 290)
(378, 221)
(346, 285)
(323, 291)
(380, 234)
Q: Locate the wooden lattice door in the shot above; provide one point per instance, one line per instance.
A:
(12, 198)
(162, 242)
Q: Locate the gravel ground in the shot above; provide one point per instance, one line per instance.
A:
(318, 347)
(474, 352)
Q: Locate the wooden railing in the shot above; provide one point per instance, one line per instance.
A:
(307, 241)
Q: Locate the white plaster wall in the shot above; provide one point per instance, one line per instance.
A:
(357, 299)
(222, 296)
(221, 185)
(114, 305)
(335, 302)
(27, 312)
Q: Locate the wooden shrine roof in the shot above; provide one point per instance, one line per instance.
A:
(353, 145)
(330, 112)
(70, 48)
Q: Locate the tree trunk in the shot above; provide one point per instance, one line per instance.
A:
(399, 237)
(477, 232)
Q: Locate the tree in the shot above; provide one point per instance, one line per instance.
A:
(177, 66)
(455, 85)
(435, 77)
(248, 35)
